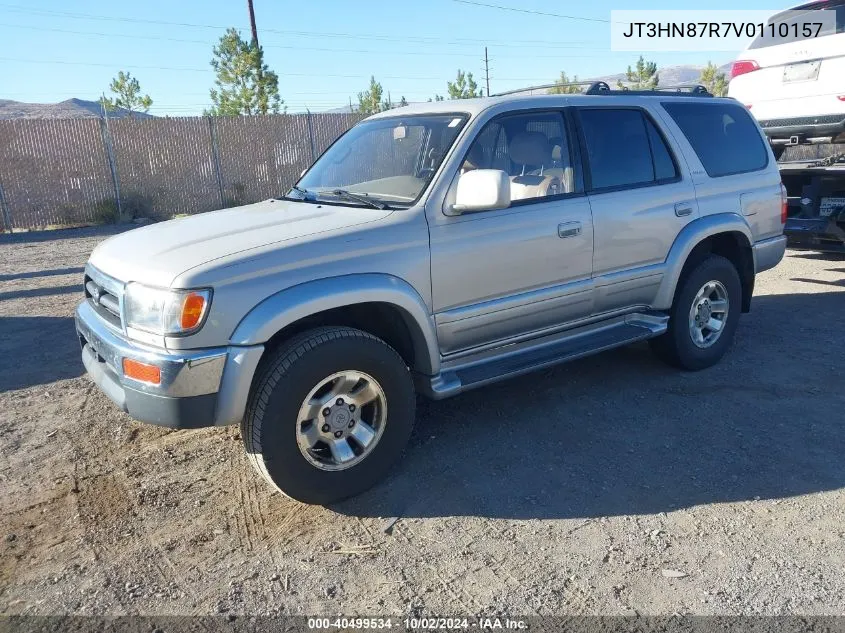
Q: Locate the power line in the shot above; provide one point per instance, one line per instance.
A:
(271, 46)
(321, 34)
(531, 11)
(187, 69)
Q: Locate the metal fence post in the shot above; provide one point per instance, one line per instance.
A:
(215, 157)
(311, 135)
(4, 208)
(107, 142)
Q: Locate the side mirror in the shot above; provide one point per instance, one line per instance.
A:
(482, 190)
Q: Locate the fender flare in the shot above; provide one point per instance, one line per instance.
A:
(297, 302)
(691, 236)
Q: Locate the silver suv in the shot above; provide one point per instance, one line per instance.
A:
(436, 248)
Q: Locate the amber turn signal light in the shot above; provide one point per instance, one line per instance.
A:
(141, 371)
(192, 311)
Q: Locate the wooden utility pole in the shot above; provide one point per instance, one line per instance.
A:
(252, 23)
(486, 68)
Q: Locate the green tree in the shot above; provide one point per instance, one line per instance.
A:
(643, 77)
(561, 88)
(403, 102)
(244, 83)
(436, 98)
(372, 99)
(715, 82)
(128, 95)
(464, 87)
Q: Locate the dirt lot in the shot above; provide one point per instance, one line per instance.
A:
(576, 491)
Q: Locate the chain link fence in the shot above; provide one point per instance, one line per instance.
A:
(56, 172)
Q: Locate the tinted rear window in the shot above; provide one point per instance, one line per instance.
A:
(723, 136)
(624, 149)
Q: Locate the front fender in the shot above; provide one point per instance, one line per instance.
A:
(690, 236)
(292, 304)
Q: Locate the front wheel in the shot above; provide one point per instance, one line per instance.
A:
(704, 316)
(330, 413)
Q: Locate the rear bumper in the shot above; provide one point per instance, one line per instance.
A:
(815, 233)
(198, 388)
(804, 127)
(768, 253)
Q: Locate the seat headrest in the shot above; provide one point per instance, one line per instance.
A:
(557, 147)
(530, 148)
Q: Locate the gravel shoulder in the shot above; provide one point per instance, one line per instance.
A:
(612, 485)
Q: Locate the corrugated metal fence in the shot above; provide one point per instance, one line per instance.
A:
(69, 171)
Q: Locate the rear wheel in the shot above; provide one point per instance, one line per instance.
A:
(704, 317)
(329, 414)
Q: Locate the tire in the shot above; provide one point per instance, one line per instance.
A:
(272, 430)
(677, 346)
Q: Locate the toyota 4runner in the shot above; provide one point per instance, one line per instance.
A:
(436, 248)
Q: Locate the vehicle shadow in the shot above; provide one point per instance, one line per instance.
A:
(29, 237)
(56, 272)
(37, 351)
(620, 433)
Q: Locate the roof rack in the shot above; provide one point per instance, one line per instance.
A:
(602, 88)
(694, 90)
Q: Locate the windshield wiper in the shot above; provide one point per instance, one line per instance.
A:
(303, 192)
(343, 193)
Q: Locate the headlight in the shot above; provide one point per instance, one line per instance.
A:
(165, 312)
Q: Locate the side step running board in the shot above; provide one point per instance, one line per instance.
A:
(491, 365)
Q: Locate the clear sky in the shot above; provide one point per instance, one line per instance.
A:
(323, 50)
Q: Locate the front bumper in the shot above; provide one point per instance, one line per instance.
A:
(187, 396)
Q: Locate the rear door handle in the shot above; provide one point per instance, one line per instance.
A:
(568, 229)
(682, 209)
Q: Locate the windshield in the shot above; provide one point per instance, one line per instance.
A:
(388, 161)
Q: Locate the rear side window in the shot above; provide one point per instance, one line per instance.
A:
(723, 136)
(624, 149)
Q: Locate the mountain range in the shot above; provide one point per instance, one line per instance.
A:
(69, 109)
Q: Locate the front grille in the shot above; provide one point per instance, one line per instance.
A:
(102, 295)
(803, 120)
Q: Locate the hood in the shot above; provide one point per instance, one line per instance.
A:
(158, 253)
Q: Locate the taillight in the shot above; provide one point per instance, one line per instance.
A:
(743, 66)
(784, 204)
(841, 97)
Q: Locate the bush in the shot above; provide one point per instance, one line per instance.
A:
(105, 212)
(132, 205)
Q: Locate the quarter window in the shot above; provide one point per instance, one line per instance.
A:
(723, 135)
(624, 149)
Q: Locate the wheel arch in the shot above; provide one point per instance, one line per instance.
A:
(382, 305)
(725, 234)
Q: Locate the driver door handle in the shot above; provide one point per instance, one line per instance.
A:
(568, 229)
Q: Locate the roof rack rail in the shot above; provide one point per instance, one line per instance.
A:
(695, 90)
(544, 87)
(602, 88)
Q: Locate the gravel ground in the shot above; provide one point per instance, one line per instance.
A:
(612, 485)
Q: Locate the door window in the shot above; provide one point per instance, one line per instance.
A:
(624, 149)
(532, 148)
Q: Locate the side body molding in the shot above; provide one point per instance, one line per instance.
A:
(689, 237)
(295, 303)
